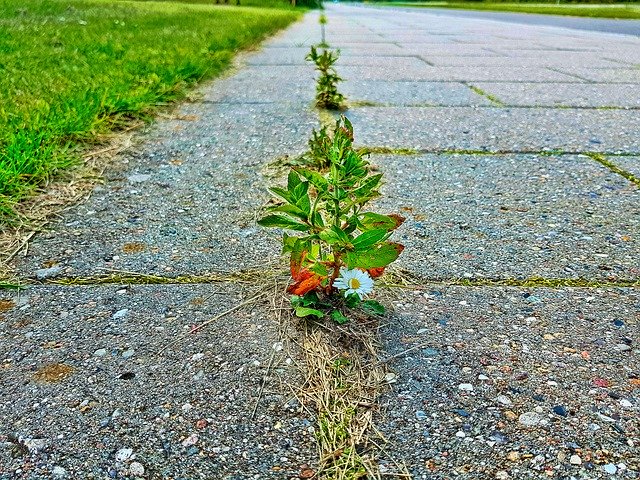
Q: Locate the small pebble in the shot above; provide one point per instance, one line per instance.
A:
(190, 440)
(575, 460)
(467, 387)
(123, 454)
(60, 472)
(45, 273)
(128, 353)
(136, 469)
(531, 419)
(101, 352)
(120, 314)
(560, 410)
(610, 468)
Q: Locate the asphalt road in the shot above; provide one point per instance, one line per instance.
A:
(623, 27)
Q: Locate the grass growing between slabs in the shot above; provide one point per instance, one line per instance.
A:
(73, 70)
(628, 10)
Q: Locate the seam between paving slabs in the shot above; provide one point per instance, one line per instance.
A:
(497, 103)
(402, 279)
(492, 98)
(600, 158)
(462, 151)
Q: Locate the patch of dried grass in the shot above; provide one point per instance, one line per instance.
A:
(344, 380)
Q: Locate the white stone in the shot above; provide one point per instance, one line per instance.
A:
(575, 460)
(138, 178)
(190, 440)
(59, 472)
(467, 387)
(120, 314)
(531, 419)
(504, 400)
(136, 469)
(610, 468)
(123, 454)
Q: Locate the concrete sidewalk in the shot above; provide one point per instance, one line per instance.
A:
(526, 158)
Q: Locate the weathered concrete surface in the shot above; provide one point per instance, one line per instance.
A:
(185, 203)
(141, 381)
(475, 216)
(512, 383)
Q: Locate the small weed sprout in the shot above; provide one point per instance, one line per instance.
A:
(323, 21)
(340, 247)
(327, 95)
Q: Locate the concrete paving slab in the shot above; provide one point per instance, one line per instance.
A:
(613, 75)
(185, 412)
(379, 61)
(565, 94)
(512, 216)
(186, 201)
(279, 56)
(512, 383)
(411, 93)
(498, 129)
(457, 74)
(452, 49)
(554, 61)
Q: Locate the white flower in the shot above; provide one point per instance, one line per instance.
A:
(354, 281)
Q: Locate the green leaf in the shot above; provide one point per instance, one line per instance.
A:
(352, 300)
(371, 306)
(293, 180)
(379, 256)
(368, 238)
(320, 269)
(306, 312)
(338, 317)
(314, 178)
(279, 221)
(367, 186)
(291, 210)
(282, 193)
(370, 221)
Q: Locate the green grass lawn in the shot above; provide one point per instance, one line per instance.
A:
(73, 69)
(579, 10)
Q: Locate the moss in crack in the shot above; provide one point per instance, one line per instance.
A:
(406, 279)
(387, 151)
(364, 103)
(492, 98)
(602, 159)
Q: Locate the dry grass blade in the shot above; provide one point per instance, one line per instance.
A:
(342, 386)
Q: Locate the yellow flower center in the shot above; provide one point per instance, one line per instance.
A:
(354, 283)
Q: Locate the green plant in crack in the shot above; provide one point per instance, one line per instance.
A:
(327, 94)
(323, 21)
(340, 246)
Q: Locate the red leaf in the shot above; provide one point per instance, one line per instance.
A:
(304, 282)
(376, 272)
